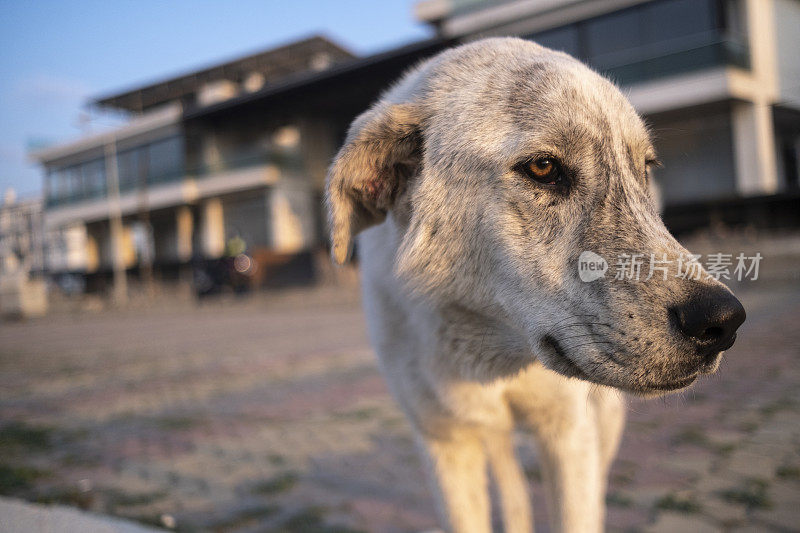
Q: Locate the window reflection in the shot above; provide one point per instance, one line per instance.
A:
(157, 162)
(656, 38)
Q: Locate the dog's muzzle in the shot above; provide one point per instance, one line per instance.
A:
(709, 320)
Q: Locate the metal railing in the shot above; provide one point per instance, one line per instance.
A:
(714, 51)
(285, 161)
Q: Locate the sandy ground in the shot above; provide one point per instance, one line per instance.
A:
(269, 414)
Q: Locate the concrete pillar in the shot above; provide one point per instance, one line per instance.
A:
(753, 128)
(797, 161)
(184, 228)
(318, 144)
(291, 218)
(213, 228)
(211, 153)
(92, 254)
(117, 231)
(763, 45)
(754, 148)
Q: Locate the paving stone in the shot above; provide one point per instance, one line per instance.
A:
(784, 511)
(754, 462)
(723, 512)
(646, 497)
(213, 402)
(720, 480)
(670, 522)
(750, 528)
(694, 463)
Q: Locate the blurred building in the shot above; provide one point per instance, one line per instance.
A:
(158, 192)
(22, 290)
(240, 149)
(717, 80)
(21, 235)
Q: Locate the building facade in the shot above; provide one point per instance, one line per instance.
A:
(240, 150)
(716, 80)
(21, 236)
(154, 194)
(22, 244)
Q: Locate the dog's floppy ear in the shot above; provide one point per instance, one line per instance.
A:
(381, 152)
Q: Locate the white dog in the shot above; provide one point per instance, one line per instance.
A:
(482, 176)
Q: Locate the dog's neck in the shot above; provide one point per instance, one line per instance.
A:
(480, 345)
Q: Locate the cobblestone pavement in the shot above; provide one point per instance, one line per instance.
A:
(269, 414)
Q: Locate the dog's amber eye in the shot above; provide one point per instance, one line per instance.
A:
(543, 170)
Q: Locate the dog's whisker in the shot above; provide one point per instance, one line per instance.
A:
(587, 324)
(613, 358)
(587, 344)
(577, 336)
(577, 324)
(574, 317)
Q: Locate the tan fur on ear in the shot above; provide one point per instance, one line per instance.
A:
(380, 153)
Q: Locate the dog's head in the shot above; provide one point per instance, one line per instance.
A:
(503, 162)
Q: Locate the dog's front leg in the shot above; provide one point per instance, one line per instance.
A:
(458, 472)
(609, 406)
(569, 448)
(512, 487)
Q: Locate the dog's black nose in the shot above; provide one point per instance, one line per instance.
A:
(710, 318)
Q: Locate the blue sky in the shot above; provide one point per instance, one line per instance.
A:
(56, 55)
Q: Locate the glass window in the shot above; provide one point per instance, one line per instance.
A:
(166, 158)
(614, 33)
(734, 19)
(128, 163)
(669, 19)
(54, 183)
(564, 39)
(94, 177)
(73, 188)
(697, 155)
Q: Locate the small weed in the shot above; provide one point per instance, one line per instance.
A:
(673, 502)
(70, 497)
(248, 517)
(624, 473)
(695, 436)
(748, 427)
(281, 483)
(176, 422)
(615, 499)
(158, 521)
(311, 520)
(259, 512)
(78, 459)
(16, 479)
(725, 449)
(276, 459)
(534, 473)
(644, 425)
(788, 472)
(18, 436)
(780, 404)
(147, 520)
(698, 397)
(118, 498)
(394, 422)
(364, 413)
(753, 494)
(691, 435)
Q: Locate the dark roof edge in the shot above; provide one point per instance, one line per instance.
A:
(308, 78)
(105, 100)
